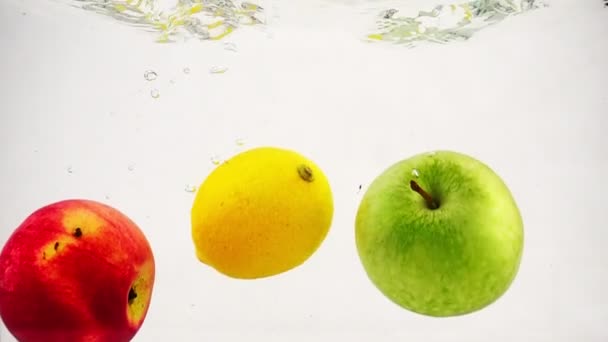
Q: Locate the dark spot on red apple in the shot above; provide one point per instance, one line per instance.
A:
(77, 232)
(132, 295)
(43, 255)
(56, 245)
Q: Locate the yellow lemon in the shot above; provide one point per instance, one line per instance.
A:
(261, 213)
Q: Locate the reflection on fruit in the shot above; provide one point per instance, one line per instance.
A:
(261, 213)
(440, 234)
(76, 270)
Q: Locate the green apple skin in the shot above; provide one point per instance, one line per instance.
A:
(448, 261)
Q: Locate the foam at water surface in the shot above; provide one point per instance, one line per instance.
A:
(203, 19)
(404, 22)
(446, 21)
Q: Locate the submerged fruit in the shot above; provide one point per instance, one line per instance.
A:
(261, 213)
(76, 270)
(440, 234)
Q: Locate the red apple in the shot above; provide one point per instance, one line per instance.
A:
(76, 270)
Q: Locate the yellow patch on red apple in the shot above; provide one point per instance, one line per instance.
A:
(53, 248)
(139, 293)
(76, 270)
(78, 222)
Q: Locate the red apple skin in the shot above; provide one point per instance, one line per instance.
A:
(61, 283)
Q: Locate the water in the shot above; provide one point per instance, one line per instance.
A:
(75, 92)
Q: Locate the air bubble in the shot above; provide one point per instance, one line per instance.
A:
(415, 173)
(150, 75)
(215, 160)
(69, 169)
(154, 93)
(186, 70)
(389, 13)
(230, 46)
(131, 167)
(248, 6)
(239, 142)
(218, 69)
(190, 188)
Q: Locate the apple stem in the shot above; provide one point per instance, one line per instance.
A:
(430, 202)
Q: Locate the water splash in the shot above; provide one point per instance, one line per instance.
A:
(216, 160)
(415, 173)
(445, 23)
(202, 19)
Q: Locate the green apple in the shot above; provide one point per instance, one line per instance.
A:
(440, 234)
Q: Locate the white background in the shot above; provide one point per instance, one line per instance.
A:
(528, 96)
